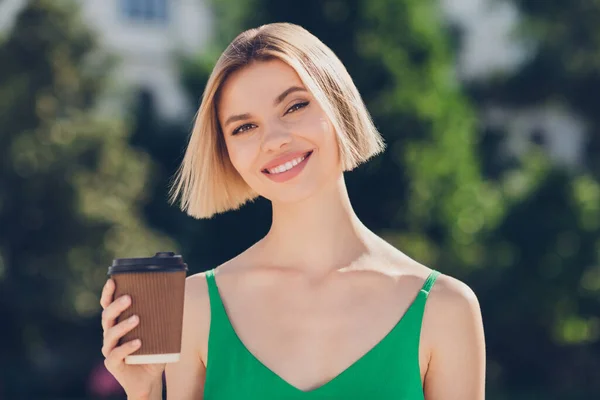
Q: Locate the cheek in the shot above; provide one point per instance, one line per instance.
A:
(241, 156)
(325, 125)
(317, 128)
(327, 130)
(330, 145)
(328, 135)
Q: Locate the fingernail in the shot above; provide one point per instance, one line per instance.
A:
(124, 300)
(136, 342)
(132, 319)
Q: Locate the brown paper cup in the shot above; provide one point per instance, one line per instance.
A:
(157, 296)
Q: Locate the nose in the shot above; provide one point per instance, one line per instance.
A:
(275, 138)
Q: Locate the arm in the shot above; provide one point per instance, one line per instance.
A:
(156, 393)
(454, 325)
(185, 379)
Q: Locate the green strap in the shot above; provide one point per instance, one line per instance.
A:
(430, 281)
(218, 317)
(210, 280)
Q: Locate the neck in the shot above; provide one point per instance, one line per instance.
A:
(319, 234)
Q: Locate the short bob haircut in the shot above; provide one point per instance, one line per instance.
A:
(206, 178)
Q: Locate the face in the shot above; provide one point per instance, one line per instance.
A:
(278, 137)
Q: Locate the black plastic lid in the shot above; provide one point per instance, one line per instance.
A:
(164, 261)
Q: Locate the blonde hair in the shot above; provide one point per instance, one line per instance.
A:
(206, 179)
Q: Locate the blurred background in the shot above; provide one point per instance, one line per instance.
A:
(490, 109)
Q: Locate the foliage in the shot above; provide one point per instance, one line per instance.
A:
(68, 204)
(545, 257)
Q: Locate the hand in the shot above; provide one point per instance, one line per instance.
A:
(138, 381)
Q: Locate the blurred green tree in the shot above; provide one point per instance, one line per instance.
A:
(546, 254)
(541, 295)
(70, 187)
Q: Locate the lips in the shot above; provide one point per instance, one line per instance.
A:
(287, 167)
(285, 162)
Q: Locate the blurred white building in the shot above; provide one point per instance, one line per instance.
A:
(145, 35)
(490, 48)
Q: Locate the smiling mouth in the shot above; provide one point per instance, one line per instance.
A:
(287, 166)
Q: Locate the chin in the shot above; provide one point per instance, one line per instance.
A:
(291, 195)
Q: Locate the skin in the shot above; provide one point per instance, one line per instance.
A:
(339, 287)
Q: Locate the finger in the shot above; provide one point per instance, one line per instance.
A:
(116, 358)
(114, 309)
(112, 336)
(107, 293)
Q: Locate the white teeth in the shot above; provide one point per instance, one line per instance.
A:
(287, 166)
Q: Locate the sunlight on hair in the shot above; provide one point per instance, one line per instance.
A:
(206, 180)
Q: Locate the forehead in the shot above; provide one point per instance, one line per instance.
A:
(261, 81)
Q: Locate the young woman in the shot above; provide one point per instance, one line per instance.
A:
(321, 307)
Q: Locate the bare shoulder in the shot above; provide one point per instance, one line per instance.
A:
(453, 328)
(232, 273)
(196, 287)
(452, 308)
(447, 294)
(197, 293)
(452, 312)
(450, 298)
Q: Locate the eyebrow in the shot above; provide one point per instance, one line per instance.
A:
(235, 118)
(277, 101)
(288, 91)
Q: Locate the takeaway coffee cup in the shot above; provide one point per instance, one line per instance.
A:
(156, 286)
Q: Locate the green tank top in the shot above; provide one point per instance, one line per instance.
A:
(390, 370)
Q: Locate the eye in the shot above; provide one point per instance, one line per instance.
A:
(297, 107)
(242, 129)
